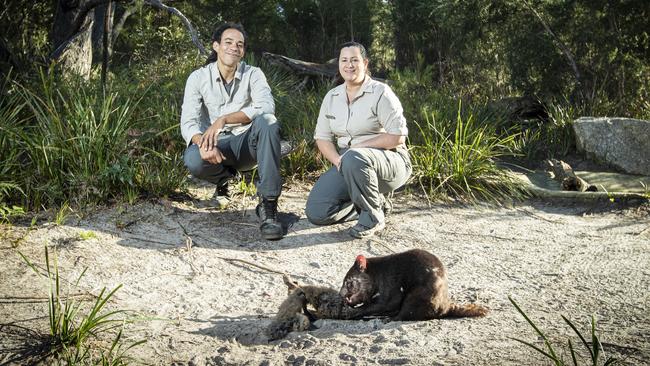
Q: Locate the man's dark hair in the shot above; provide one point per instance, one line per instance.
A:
(216, 37)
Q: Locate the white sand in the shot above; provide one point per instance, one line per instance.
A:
(198, 308)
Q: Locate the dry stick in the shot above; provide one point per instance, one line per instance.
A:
(537, 216)
(188, 246)
(382, 244)
(236, 259)
(482, 235)
(264, 268)
(188, 24)
(563, 48)
(38, 299)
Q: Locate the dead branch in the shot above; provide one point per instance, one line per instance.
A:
(195, 38)
(565, 50)
(563, 173)
(80, 21)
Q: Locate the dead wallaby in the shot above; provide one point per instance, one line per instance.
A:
(305, 304)
(405, 286)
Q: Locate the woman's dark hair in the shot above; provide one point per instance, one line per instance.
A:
(364, 55)
(362, 49)
(216, 37)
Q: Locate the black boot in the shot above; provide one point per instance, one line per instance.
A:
(267, 212)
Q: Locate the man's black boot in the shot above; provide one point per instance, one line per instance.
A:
(267, 212)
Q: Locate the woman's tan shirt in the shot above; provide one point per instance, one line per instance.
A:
(375, 110)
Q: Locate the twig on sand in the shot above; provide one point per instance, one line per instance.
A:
(251, 264)
(482, 235)
(37, 299)
(381, 244)
(537, 216)
(231, 260)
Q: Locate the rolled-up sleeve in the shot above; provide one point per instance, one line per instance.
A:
(191, 109)
(323, 129)
(261, 97)
(391, 113)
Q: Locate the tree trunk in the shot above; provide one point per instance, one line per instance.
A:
(98, 31)
(107, 41)
(72, 50)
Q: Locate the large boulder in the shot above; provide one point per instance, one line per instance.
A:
(623, 143)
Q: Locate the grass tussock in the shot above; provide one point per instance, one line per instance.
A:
(80, 333)
(595, 353)
(458, 159)
(77, 142)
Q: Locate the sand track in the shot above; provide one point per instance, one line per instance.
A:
(202, 308)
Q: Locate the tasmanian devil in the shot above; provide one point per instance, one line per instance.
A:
(405, 286)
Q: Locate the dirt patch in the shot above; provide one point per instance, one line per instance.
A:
(198, 306)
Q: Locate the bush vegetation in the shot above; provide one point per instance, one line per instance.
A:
(84, 143)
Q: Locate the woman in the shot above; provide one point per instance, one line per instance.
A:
(366, 119)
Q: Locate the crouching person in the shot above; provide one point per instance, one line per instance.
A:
(365, 119)
(228, 124)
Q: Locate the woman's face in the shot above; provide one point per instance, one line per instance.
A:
(352, 65)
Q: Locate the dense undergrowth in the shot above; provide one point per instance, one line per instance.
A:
(75, 142)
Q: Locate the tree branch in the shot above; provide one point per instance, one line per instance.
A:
(119, 25)
(86, 7)
(565, 50)
(195, 38)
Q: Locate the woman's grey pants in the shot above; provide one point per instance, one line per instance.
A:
(259, 145)
(366, 174)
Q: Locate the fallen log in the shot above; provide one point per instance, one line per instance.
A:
(569, 181)
(327, 70)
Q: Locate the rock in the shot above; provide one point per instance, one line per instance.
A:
(347, 357)
(623, 143)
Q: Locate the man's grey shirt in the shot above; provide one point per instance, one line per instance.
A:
(206, 99)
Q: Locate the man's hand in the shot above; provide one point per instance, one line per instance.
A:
(209, 138)
(213, 156)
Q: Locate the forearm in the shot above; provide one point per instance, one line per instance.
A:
(233, 118)
(383, 141)
(329, 151)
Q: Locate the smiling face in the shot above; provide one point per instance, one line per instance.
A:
(231, 48)
(352, 65)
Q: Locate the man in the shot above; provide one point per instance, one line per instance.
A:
(228, 125)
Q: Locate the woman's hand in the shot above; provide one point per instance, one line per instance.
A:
(330, 153)
(337, 162)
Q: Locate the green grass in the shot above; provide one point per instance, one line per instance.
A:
(76, 332)
(594, 348)
(73, 142)
(458, 159)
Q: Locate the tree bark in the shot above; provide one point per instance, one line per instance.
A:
(106, 41)
(72, 38)
(72, 33)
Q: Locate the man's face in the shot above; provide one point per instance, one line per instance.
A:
(231, 48)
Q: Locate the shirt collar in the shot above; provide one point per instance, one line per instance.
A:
(366, 87)
(239, 73)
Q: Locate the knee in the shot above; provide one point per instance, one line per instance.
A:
(193, 161)
(353, 162)
(317, 214)
(267, 123)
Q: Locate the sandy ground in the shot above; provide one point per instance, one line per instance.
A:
(194, 305)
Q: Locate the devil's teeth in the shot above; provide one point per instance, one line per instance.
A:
(358, 305)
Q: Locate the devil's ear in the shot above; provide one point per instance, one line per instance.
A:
(360, 262)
